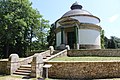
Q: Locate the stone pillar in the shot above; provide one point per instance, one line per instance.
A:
(51, 49)
(13, 63)
(45, 70)
(76, 38)
(62, 35)
(62, 45)
(37, 66)
(67, 47)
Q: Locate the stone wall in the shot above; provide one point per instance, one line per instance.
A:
(94, 52)
(84, 70)
(3, 66)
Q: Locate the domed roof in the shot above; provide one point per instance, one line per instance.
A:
(76, 12)
(76, 9)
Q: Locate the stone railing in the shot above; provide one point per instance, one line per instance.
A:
(14, 62)
(84, 70)
(60, 54)
(46, 53)
(25, 61)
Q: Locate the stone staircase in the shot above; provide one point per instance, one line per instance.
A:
(24, 70)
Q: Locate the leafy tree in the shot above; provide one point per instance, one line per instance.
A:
(102, 39)
(106, 42)
(52, 37)
(18, 23)
(41, 34)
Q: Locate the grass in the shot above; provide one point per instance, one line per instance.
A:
(86, 58)
(8, 77)
(14, 77)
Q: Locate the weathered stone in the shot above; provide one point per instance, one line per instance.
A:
(14, 58)
(37, 65)
(51, 49)
(84, 70)
(3, 67)
(13, 63)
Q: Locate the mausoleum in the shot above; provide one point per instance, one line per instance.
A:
(78, 28)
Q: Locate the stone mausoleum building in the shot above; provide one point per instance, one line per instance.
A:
(78, 28)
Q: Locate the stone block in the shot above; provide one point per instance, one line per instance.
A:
(13, 63)
(13, 58)
(51, 48)
(37, 64)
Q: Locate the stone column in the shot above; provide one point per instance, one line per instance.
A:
(62, 34)
(62, 45)
(76, 38)
(13, 63)
(37, 66)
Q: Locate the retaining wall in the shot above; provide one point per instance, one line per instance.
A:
(3, 67)
(84, 70)
(94, 52)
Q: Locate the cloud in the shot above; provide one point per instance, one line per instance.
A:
(113, 18)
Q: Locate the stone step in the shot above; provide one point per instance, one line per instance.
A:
(24, 71)
(44, 57)
(29, 63)
(48, 56)
(21, 73)
(25, 66)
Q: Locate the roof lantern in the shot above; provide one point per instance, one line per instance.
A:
(76, 6)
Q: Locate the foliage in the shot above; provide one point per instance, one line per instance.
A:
(40, 42)
(102, 39)
(112, 43)
(51, 37)
(41, 34)
(19, 24)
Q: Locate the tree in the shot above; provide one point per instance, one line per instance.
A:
(102, 39)
(52, 37)
(41, 34)
(18, 23)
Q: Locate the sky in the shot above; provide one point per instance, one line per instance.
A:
(107, 10)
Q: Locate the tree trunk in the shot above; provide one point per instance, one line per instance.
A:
(7, 50)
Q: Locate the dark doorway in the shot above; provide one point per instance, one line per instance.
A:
(71, 39)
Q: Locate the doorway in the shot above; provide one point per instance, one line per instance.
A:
(71, 39)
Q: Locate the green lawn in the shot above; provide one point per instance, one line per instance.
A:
(85, 58)
(14, 77)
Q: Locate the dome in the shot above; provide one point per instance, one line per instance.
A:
(76, 12)
(76, 9)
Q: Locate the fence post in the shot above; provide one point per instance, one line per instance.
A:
(37, 66)
(13, 63)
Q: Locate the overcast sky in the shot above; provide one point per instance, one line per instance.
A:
(107, 10)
